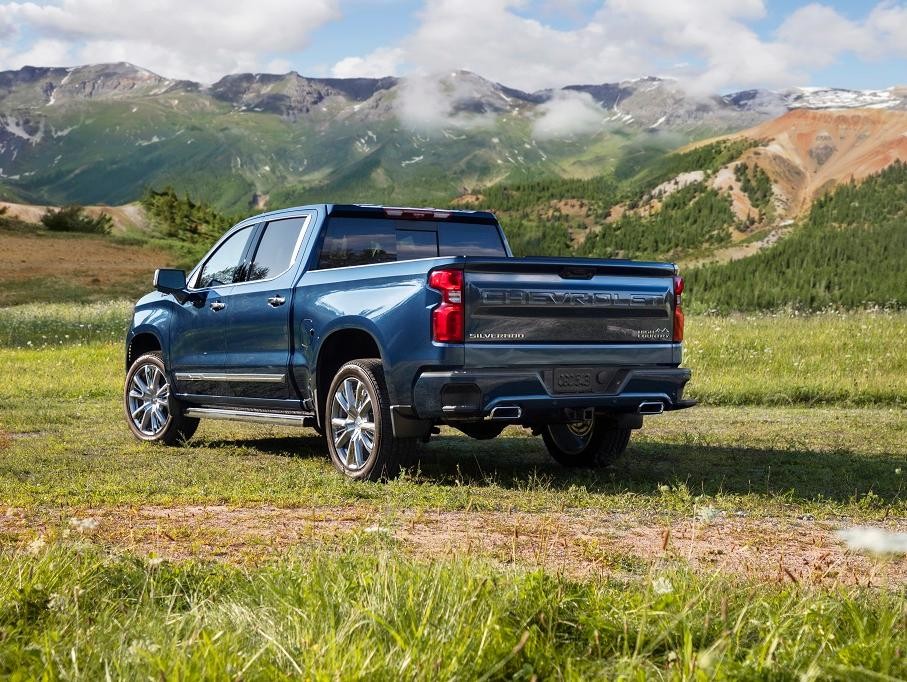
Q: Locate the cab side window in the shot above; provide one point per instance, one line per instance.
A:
(276, 248)
(225, 266)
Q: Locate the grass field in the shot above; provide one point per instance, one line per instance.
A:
(710, 550)
(364, 612)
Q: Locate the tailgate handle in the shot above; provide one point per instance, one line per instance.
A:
(574, 272)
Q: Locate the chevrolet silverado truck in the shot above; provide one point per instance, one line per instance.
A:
(376, 325)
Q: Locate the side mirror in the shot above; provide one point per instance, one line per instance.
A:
(171, 281)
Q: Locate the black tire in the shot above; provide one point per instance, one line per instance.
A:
(175, 427)
(387, 454)
(591, 444)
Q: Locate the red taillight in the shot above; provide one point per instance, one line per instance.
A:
(448, 319)
(678, 310)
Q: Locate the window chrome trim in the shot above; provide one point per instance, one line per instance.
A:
(224, 376)
(391, 262)
(251, 222)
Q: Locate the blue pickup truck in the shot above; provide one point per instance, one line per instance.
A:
(375, 325)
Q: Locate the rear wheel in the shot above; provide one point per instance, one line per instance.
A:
(152, 413)
(358, 429)
(593, 443)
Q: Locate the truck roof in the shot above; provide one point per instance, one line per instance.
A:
(401, 212)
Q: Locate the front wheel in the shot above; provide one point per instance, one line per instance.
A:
(593, 443)
(358, 430)
(152, 413)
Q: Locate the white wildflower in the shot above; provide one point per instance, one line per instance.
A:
(897, 472)
(36, 545)
(377, 529)
(664, 488)
(874, 540)
(662, 585)
(706, 514)
(57, 602)
(84, 525)
(155, 561)
(138, 647)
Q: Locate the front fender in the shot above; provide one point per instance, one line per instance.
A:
(151, 316)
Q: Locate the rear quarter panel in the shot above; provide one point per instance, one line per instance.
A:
(390, 301)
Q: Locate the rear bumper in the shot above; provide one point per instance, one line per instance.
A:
(474, 394)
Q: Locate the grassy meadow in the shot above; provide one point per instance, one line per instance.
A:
(243, 554)
(364, 612)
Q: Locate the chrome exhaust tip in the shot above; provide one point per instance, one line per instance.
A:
(507, 412)
(651, 407)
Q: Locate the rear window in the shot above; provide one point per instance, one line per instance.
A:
(361, 241)
(467, 239)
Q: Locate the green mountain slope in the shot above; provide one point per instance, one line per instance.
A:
(105, 133)
(603, 217)
(851, 251)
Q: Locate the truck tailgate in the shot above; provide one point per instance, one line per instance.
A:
(532, 311)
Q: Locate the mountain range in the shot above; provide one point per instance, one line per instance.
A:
(105, 133)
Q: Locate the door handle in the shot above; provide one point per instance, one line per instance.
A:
(275, 301)
(217, 305)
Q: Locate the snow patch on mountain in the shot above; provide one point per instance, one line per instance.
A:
(836, 98)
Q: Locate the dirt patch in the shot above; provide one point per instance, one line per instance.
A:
(467, 199)
(581, 544)
(81, 260)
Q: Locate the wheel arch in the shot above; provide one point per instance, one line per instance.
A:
(336, 349)
(144, 341)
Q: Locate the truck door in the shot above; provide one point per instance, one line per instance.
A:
(260, 333)
(199, 326)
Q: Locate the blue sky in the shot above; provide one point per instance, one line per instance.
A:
(715, 45)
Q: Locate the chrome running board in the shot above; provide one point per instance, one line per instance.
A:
(278, 418)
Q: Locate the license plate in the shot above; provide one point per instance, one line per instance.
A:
(569, 380)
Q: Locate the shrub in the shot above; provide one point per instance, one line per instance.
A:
(73, 218)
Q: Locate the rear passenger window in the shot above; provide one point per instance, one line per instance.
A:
(276, 249)
(357, 241)
(467, 239)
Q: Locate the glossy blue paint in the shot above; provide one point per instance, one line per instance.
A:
(392, 304)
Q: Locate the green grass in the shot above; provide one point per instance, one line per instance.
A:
(850, 359)
(39, 325)
(64, 405)
(789, 359)
(362, 611)
(355, 604)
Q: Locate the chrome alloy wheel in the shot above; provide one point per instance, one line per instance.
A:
(353, 423)
(148, 400)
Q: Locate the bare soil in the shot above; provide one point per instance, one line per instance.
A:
(579, 544)
(82, 260)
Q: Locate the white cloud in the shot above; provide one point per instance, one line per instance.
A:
(41, 53)
(278, 65)
(568, 113)
(385, 61)
(709, 45)
(432, 101)
(202, 39)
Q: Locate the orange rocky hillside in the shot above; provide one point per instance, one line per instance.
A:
(807, 152)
